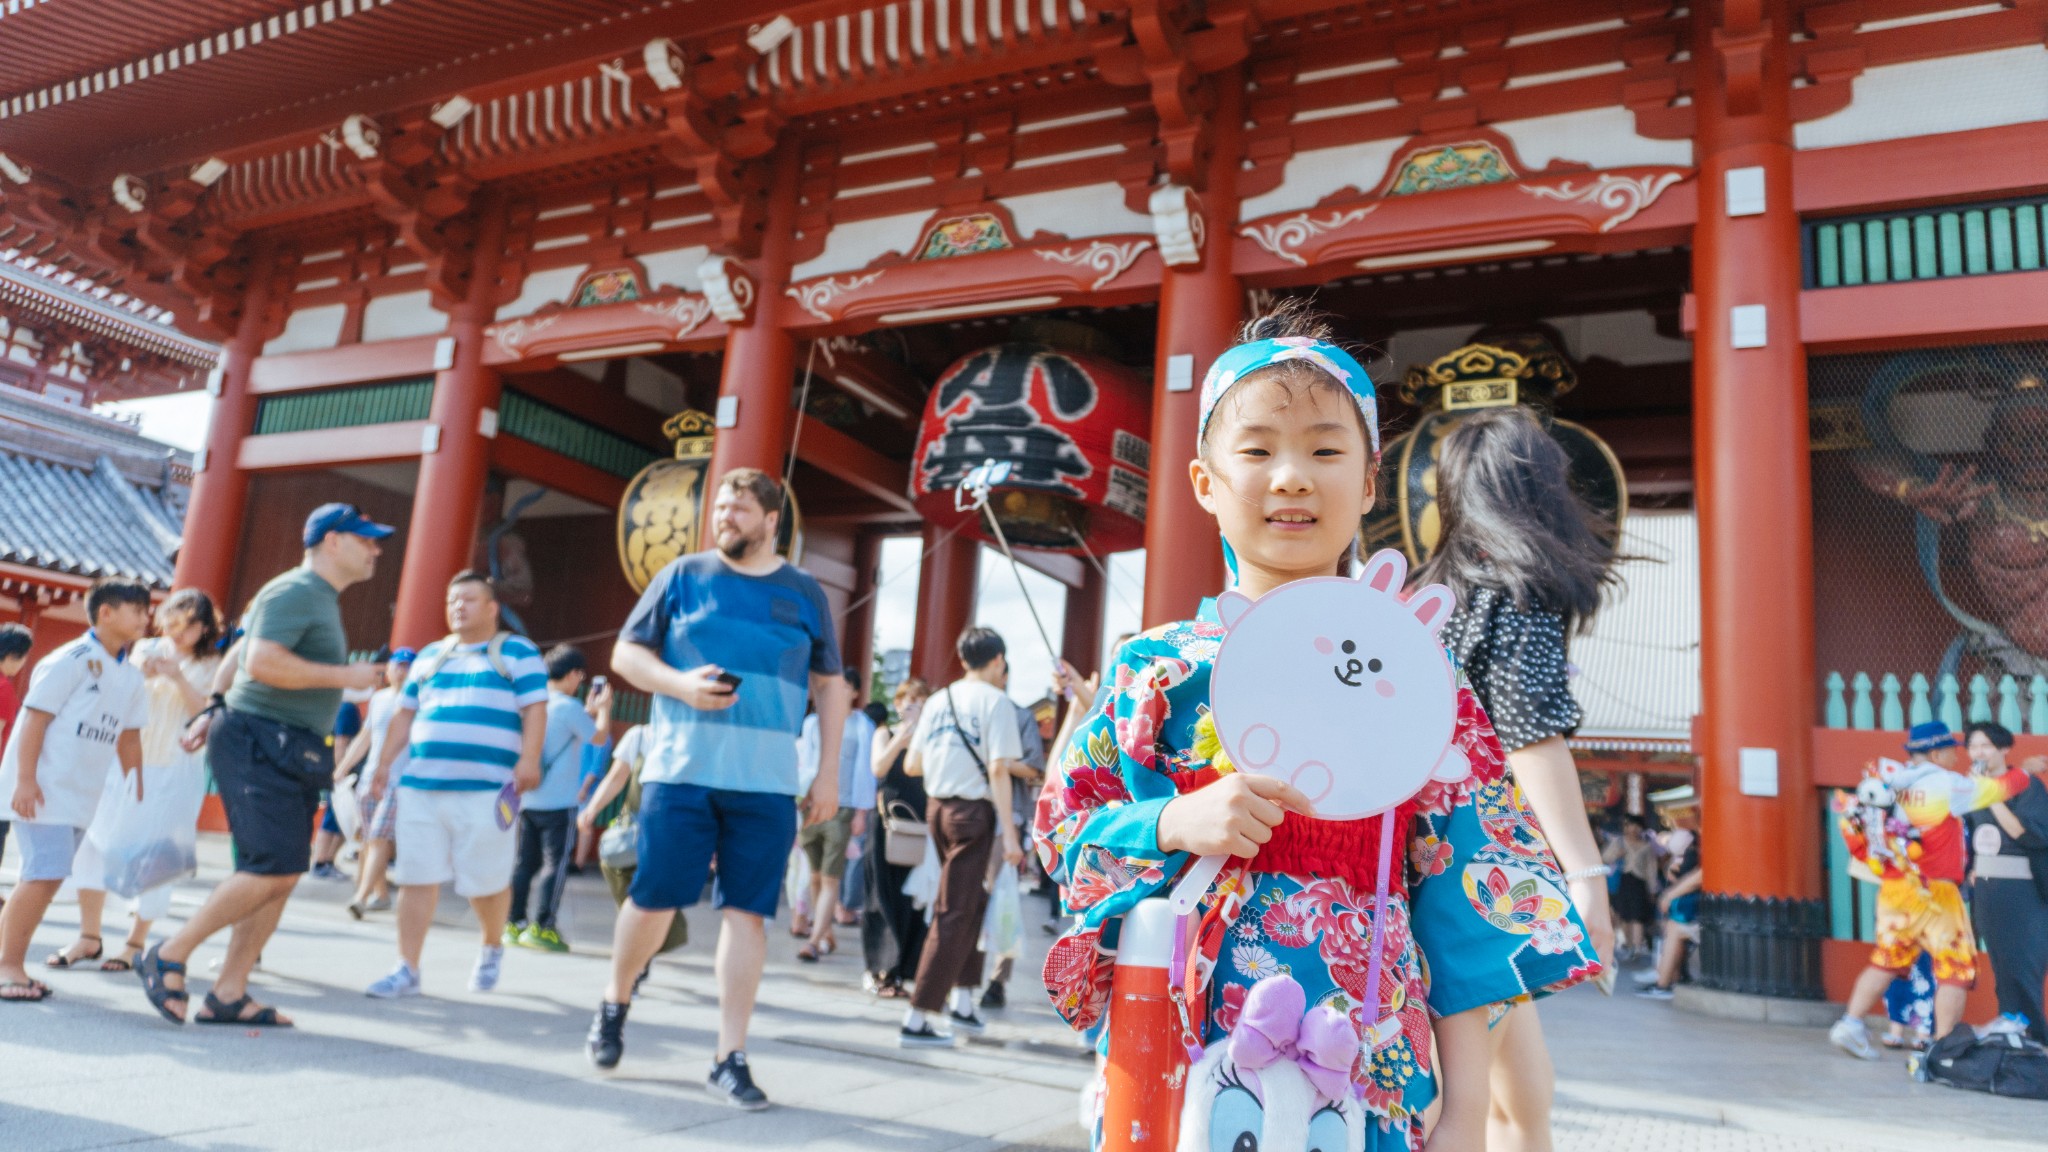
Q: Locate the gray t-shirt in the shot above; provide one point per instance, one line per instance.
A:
(301, 611)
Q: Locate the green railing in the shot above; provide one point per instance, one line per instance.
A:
(1927, 244)
(1890, 704)
(558, 431)
(390, 402)
(1852, 903)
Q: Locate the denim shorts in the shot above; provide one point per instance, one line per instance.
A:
(47, 850)
(684, 827)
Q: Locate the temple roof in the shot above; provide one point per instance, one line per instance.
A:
(86, 496)
(32, 294)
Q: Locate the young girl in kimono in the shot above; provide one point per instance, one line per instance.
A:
(1477, 917)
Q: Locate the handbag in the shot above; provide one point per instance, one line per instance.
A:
(903, 835)
(619, 847)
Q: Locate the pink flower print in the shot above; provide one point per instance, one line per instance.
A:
(1231, 1006)
(1283, 926)
(1093, 787)
(1429, 855)
(1555, 937)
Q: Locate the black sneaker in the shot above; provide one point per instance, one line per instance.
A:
(607, 1041)
(967, 1022)
(731, 1082)
(994, 999)
(923, 1036)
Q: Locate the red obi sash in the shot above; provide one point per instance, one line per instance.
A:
(1347, 850)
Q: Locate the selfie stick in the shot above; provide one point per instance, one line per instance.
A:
(973, 493)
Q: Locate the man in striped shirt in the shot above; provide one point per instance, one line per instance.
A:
(472, 716)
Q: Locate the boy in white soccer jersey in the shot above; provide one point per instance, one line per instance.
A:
(472, 716)
(85, 707)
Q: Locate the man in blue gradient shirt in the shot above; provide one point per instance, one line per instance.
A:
(730, 643)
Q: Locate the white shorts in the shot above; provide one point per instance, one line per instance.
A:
(444, 836)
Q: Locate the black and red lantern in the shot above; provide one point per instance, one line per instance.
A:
(1071, 426)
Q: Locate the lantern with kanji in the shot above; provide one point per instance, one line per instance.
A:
(1522, 365)
(1071, 426)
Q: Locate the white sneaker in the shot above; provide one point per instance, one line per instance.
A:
(1853, 1037)
(1646, 976)
(2007, 1024)
(402, 981)
(484, 976)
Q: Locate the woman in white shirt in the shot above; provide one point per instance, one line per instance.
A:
(178, 664)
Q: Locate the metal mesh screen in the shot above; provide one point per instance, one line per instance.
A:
(1930, 502)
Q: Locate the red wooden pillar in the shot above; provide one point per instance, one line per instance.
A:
(220, 490)
(1200, 308)
(857, 634)
(945, 605)
(1081, 639)
(1760, 827)
(754, 414)
(441, 538)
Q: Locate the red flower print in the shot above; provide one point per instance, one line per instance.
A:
(1091, 787)
(1429, 855)
(1578, 974)
(1284, 927)
(1231, 1007)
(1077, 977)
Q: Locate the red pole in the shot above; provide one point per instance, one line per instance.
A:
(1081, 639)
(857, 634)
(220, 489)
(1200, 308)
(1753, 494)
(760, 355)
(945, 605)
(442, 535)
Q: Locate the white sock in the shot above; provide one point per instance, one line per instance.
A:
(963, 1001)
(914, 1020)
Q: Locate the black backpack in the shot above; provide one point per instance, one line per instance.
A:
(2003, 1065)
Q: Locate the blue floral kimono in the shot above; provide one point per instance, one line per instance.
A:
(1479, 916)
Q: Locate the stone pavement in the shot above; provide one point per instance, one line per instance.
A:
(453, 1070)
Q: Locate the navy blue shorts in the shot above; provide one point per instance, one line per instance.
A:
(684, 827)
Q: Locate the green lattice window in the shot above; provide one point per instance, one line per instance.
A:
(387, 403)
(1928, 244)
(551, 428)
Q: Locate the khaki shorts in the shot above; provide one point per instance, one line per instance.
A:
(824, 843)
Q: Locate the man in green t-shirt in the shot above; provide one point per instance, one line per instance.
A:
(269, 743)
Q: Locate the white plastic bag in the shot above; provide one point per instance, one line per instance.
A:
(796, 884)
(348, 811)
(922, 885)
(154, 841)
(1002, 926)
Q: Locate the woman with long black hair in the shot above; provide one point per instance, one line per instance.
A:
(1530, 562)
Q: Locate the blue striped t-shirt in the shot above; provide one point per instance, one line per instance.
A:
(466, 734)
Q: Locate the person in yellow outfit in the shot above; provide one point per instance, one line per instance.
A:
(1903, 826)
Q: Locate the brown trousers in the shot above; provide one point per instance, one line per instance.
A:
(964, 835)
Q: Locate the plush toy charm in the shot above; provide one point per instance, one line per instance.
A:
(1280, 1082)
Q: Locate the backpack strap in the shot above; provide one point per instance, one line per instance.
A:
(494, 652)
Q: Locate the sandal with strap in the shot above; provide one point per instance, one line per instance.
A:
(220, 1011)
(25, 992)
(122, 963)
(60, 961)
(152, 968)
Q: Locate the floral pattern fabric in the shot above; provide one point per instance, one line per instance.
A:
(1479, 916)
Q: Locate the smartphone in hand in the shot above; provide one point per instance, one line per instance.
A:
(730, 680)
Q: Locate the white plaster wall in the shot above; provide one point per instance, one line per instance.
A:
(855, 244)
(1310, 176)
(540, 289)
(676, 267)
(1948, 94)
(401, 315)
(308, 329)
(1090, 210)
(1601, 137)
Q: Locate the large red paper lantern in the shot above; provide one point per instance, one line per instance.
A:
(1070, 425)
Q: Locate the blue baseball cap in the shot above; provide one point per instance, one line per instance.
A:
(331, 518)
(404, 656)
(1929, 736)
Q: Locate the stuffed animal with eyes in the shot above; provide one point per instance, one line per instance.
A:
(1280, 1082)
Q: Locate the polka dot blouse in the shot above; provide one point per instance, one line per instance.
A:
(1516, 662)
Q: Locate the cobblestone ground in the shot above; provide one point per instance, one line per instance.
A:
(455, 1070)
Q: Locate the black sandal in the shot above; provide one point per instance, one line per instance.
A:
(60, 961)
(38, 992)
(152, 968)
(122, 963)
(230, 1012)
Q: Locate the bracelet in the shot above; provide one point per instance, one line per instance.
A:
(1601, 870)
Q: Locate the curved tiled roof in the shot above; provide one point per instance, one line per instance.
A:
(88, 522)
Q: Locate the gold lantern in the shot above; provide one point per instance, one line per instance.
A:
(1500, 368)
(662, 514)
